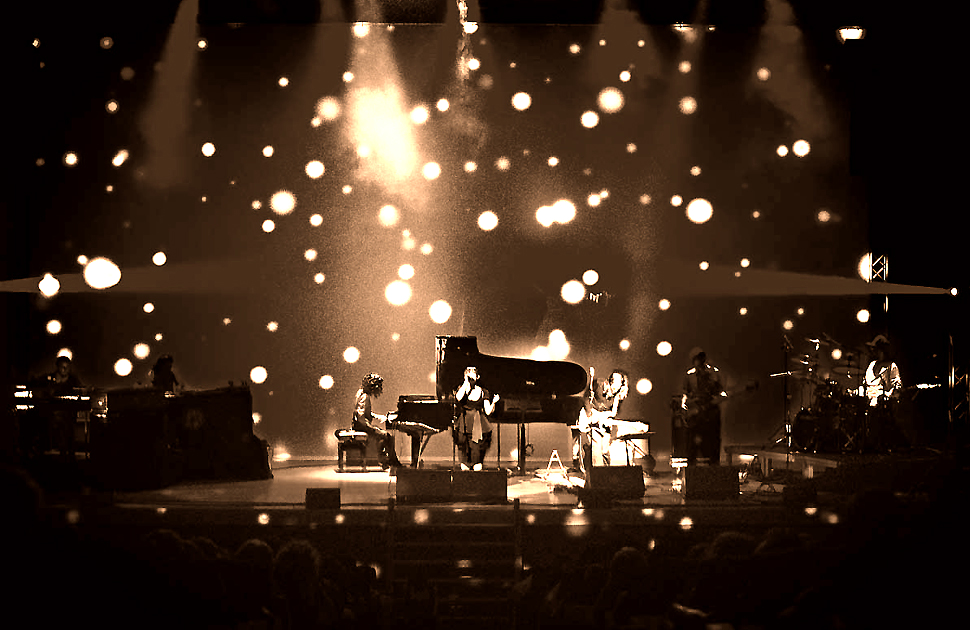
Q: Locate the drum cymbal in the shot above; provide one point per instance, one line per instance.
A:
(848, 370)
(803, 359)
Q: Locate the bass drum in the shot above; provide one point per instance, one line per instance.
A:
(805, 432)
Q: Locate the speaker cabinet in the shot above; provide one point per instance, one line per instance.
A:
(484, 486)
(718, 483)
(323, 498)
(420, 485)
(617, 482)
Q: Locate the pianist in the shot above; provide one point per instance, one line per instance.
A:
(62, 381)
(371, 387)
(473, 431)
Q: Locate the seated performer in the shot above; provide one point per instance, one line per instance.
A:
(473, 431)
(372, 386)
(701, 399)
(882, 374)
(595, 420)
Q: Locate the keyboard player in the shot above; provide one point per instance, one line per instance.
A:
(371, 387)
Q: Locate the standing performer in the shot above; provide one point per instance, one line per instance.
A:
(473, 431)
(372, 386)
(883, 388)
(603, 400)
(701, 399)
(882, 374)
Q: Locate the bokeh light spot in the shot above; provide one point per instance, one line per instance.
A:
(53, 327)
(326, 381)
(801, 148)
(443, 105)
(268, 226)
(49, 285)
(328, 108)
(351, 355)
(272, 326)
(688, 105)
(426, 249)
(676, 201)
(521, 101)
(764, 74)
(664, 348)
(573, 292)
(315, 169)
(862, 316)
(319, 278)
(745, 262)
(258, 374)
(420, 115)
(148, 307)
(310, 254)
(70, 158)
(388, 216)
(704, 266)
(590, 277)
(488, 221)
(267, 151)
(823, 216)
(664, 304)
(610, 100)
(405, 272)
(208, 149)
(788, 324)
(398, 292)
(624, 344)
(644, 386)
(700, 210)
(589, 119)
(316, 220)
(503, 163)
(159, 259)
(431, 170)
(684, 67)
(101, 273)
(836, 353)
(782, 150)
(282, 202)
(564, 211)
(743, 310)
(141, 351)
(645, 200)
(470, 167)
(625, 76)
(123, 367)
(865, 267)
(440, 312)
(119, 158)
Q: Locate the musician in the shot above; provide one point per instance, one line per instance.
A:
(701, 400)
(371, 387)
(603, 400)
(163, 376)
(60, 422)
(882, 374)
(473, 431)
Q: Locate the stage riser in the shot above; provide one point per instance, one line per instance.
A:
(445, 486)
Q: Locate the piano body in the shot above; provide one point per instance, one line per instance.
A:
(529, 391)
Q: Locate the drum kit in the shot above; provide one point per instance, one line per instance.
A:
(834, 414)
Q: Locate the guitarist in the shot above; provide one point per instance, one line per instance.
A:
(701, 401)
(603, 400)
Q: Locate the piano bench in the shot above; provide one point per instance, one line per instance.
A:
(348, 439)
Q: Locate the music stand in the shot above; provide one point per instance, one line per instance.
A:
(629, 445)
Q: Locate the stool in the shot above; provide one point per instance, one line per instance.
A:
(348, 439)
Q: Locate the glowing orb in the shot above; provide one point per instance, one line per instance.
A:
(111, 106)
(123, 367)
(202, 44)
(865, 267)
(574, 49)
(361, 29)
(363, 151)
(226, 321)
(470, 167)
(310, 254)
(316, 220)
(148, 307)
(431, 170)
(953, 291)
(558, 345)
(257, 204)
(101, 273)
(801, 148)
(782, 150)
(319, 278)
(743, 311)
(440, 312)
(545, 216)
(388, 216)
(573, 292)
(589, 119)
(474, 64)
(664, 348)
(267, 151)
(70, 158)
(756, 214)
(745, 262)
(396, 337)
(314, 169)
(684, 67)
(159, 259)
(644, 386)
(521, 101)
(686, 523)
(272, 326)
(53, 327)
(564, 211)
(553, 161)
(158, 336)
(258, 374)
(326, 381)
(351, 355)
(398, 292)
(443, 105)
(127, 73)
(700, 210)
(282, 202)
(66, 352)
(283, 82)
(645, 200)
(823, 216)
(590, 277)
(862, 316)
(470, 27)
(420, 115)
(625, 76)
(49, 285)
(405, 272)
(347, 190)
(503, 163)
(688, 105)
(426, 249)
(704, 266)
(488, 221)
(664, 304)
(610, 100)
(328, 108)
(82, 260)
(119, 158)
(695, 171)
(788, 324)
(208, 149)
(257, 417)
(624, 344)
(141, 351)
(268, 226)
(348, 77)
(764, 74)
(676, 201)
(837, 354)
(800, 312)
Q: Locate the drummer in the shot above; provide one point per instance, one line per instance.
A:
(882, 374)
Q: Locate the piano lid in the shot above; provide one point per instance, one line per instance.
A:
(508, 377)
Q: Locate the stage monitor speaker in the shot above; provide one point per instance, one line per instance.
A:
(483, 486)
(323, 498)
(419, 485)
(617, 482)
(719, 483)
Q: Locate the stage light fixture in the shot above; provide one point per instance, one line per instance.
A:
(850, 32)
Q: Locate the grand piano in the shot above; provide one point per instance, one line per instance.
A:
(529, 391)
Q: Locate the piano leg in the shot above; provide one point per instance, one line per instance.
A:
(521, 448)
(415, 449)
